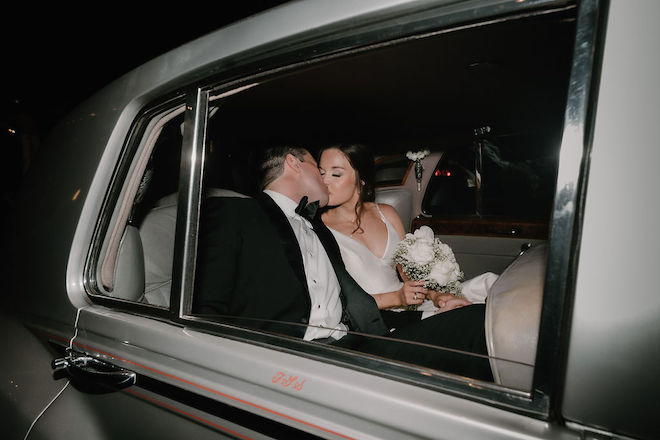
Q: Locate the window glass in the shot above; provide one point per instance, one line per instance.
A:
(518, 178)
(391, 170)
(155, 212)
(139, 246)
(515, 175)
(452, 188)
(161, 174)
(252, 267)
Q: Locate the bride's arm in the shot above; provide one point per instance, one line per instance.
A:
(412, 292)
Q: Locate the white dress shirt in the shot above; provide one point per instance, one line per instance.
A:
(322, 283)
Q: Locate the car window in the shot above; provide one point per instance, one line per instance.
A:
(319, 105)
(137, 254)
(423, 93)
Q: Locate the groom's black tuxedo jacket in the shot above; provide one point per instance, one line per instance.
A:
(250, 270)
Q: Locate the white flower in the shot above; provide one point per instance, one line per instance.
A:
(424, 233)
(443, 272)
(422, 251)
(417, 155)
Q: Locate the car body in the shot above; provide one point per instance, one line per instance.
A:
(97, 345)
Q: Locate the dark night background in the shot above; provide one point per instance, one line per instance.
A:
(54, 58)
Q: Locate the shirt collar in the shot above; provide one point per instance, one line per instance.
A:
(287, 205)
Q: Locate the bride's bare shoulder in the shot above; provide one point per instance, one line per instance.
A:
(388, 211)
(372, 209)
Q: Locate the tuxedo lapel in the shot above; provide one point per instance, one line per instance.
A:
(286, 237)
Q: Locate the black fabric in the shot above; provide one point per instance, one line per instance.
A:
(307, 210)
(250, 269)
(456, 336)
(245, 270)
(285, 237)
(400, 319)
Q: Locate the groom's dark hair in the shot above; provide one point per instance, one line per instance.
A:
(271, 164)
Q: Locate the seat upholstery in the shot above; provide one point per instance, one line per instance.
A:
(129, 270)
(157, 234)
(513, 313)
(400, 199)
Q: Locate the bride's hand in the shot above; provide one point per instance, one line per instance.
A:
(445, 302)
(413, 292)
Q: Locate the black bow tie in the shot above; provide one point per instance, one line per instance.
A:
(307, 210)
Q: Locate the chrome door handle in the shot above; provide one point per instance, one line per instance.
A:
(93, 374)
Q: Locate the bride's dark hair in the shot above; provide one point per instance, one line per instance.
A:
(362, 161)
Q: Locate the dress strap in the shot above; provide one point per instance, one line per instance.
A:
(382, 216)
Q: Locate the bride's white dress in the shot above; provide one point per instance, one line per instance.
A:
(378, 274)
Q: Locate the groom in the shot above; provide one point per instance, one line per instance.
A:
(263, 264)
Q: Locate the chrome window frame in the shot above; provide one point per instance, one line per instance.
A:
(567, 215)
(90, 272)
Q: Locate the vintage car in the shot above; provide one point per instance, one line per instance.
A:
(539, 117)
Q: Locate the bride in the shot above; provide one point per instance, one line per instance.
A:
(367, 233)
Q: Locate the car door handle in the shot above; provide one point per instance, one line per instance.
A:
(91, 374)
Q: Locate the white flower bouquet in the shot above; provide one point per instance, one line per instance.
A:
(425, 258)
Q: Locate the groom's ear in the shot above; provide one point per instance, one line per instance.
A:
(292, 162)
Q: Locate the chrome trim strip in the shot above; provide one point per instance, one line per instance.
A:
(188, 206)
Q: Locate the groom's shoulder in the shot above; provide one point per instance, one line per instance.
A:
(227, 207)
(231, 199)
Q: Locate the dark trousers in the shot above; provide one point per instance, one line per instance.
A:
(453, 341)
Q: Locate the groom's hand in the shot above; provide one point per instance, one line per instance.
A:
(445, 302)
